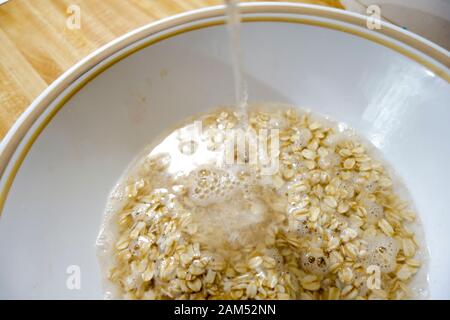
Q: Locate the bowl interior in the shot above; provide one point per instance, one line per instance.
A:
(54, 208)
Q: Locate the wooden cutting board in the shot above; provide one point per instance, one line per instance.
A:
(36, 46)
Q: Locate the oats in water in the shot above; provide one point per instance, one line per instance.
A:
(201, 215)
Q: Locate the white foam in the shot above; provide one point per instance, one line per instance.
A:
(302, 137)
(315, 263)
(375, 211)
(210, 185)
(382, 252)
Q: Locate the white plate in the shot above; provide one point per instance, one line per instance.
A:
(63, 156)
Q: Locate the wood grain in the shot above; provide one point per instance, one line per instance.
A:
(36, 46)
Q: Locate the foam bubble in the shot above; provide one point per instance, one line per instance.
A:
(374, 210)
(275, 255)
(303, 137)
(210, 185)
(300, 227)
(329, 160)
(371, 186)
(382, 252)
(348, 187)
(315, 263)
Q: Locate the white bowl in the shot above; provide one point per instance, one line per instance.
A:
(63, 156)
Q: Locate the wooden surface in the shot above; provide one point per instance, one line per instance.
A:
(36, 46)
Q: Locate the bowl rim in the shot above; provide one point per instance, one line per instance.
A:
(434, 58)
